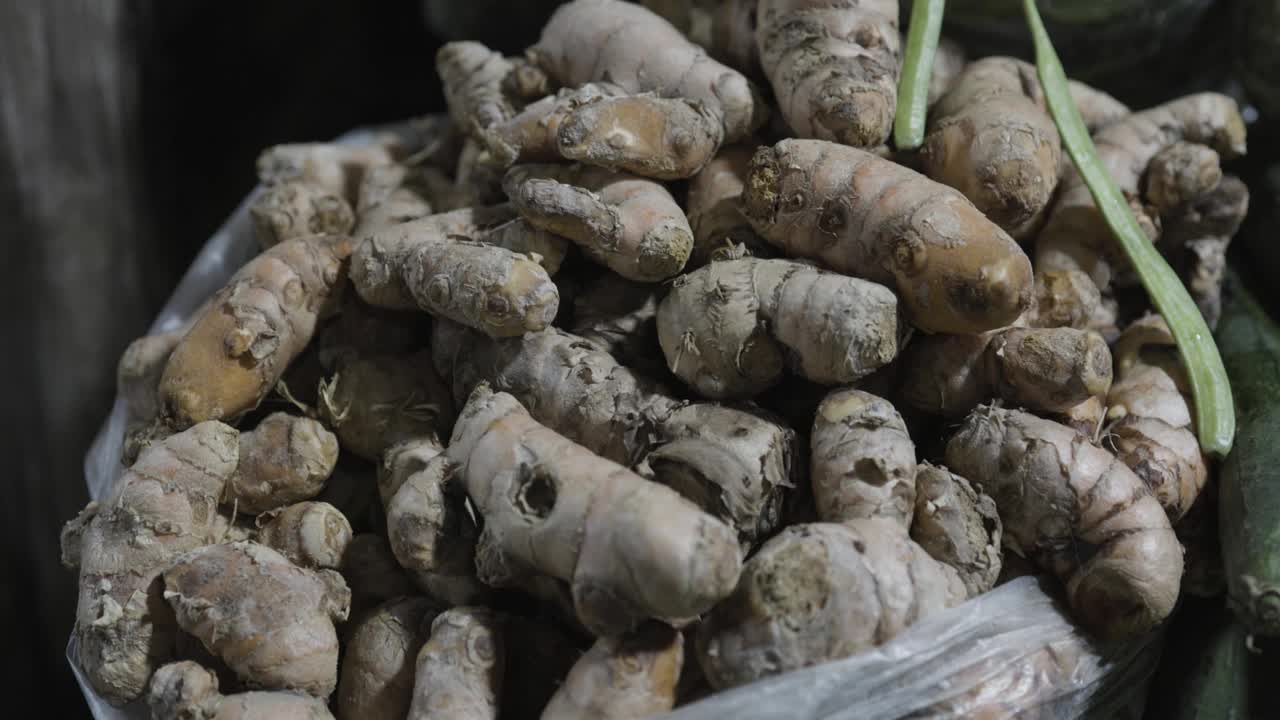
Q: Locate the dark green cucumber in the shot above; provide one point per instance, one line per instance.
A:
(1204, 669)
(1249, 479)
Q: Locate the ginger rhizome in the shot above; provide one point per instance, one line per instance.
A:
(337, 169)
(954, 270)
(959, 526)
(1196, 237)
(459, 671)
(269, 620)
(630, 224)
(163, 506)
(310, 534)
(186, 691)
(821, 592)
(714, 208)
(284, 460)
(730, 328)
(862, 462)
(629, 676)
(240, 346)
(1043, 369)
(551, 506)
(297, 209)
(378, 665)
(833, 66)
(1058, 495)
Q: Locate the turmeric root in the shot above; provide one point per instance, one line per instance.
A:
(863, 463)
(820, 592)
(629, 224)
(1064, 299)
(433, 536)
(720, 230)
(620, 317)
(239, 347)
(958, 526)
(284, 460)
(374, 402)
(378, 666)
(1077, 511)
(297, 209)
(738, 461)
(1043, 369)
(954, 270)
(552, 506)
(186, 691)
(309, 534)
(162, 507)
(1076, 236)
(1196, 239)
(991, 138)
(1181, 173)
(394, 194)
(472, 76)
(403, 460)
(337, 169)
(833, 66)
(629, 676)
(594, 40)
(271, 621)
(1152, 430)
(729, 328)
(459, 671)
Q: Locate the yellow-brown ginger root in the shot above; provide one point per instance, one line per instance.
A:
(820, 592)
(1196, 239)
(284, 460)
(862, 462)
(1076, 236)
(310, 534)
(472, 76)
(1042, 369)
(394, 194)
(551, 506)
(1076, 511)
(297, 209)
(734, 463)
(1149, 406)
(271, 621)
(459, 671)
(337, 169)
(376, 682)
(714, 208)
(375, 401)
(238, 349)
(1179, 174)
(163, 506)
(729, 329)
(953, 269)
(186, 691)
(1063, 299)
(958, 526)
(433, 536)
(630, 224)
(629, 676)
(403, 460)
(610, 40)
(833, 66)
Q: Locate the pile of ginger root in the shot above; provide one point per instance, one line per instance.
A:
(650, 370)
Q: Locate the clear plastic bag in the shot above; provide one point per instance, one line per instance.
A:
(1015, 642)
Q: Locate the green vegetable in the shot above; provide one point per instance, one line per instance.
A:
(1204, 668)
(913, 86)
(1215, 413)
(1249, 479)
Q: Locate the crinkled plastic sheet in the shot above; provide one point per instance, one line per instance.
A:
(1015, 640)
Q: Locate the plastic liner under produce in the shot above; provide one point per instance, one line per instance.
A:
(1011, 652)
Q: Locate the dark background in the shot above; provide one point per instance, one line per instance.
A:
(128, 131)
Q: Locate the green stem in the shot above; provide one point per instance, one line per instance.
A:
(1215, 410)
(917, 66)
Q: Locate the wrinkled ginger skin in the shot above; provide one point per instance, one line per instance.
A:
(958, 526)
(1181, 173)
(284, 460)
(1076, 236)
(1196, 239)
(552, 506)
(186, 691)
(241, 345)
(630, 224)
(395, 194)
(310, 534)
(402, 460)
(492, 289)
(297, 209)
(1077, 511)
(378, 666)
(271, 621)
(833, 65)
(991, 138)
(472, 77)
(863, 463)
(859, 214)
(163, 506)
(1063, 298)
(459, 672)
(338, 169)
(714, 208)
(818, 592)
(596, 40)
(629, 676)
(729, 328)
